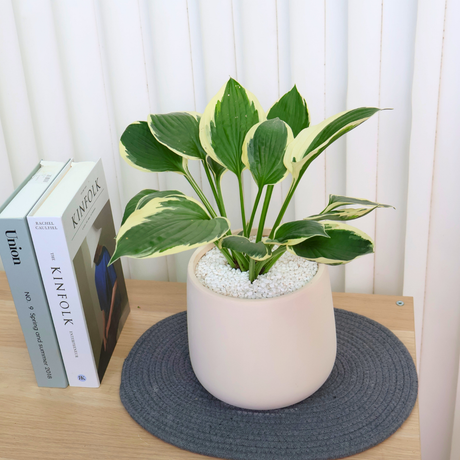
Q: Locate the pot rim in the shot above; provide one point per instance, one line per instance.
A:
(199, 253)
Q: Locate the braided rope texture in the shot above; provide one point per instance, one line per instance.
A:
(371, 391)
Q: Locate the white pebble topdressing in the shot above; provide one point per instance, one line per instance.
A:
(289, 273)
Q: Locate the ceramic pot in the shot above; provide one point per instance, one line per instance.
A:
(261, 353)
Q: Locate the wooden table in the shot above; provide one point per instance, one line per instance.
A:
(83, 423)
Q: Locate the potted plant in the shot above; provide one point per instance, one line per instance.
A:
(252, 353)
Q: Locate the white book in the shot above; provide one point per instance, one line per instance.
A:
(74, 237)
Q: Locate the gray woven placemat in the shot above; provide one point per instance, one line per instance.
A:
(370, 392)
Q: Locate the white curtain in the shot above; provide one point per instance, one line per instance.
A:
(431, 272)
(73, 75)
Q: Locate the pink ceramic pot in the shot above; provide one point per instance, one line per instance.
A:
(261, 354)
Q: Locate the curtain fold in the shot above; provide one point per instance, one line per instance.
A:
(431, 258)
(75, 74)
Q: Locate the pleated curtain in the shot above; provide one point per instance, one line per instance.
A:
(73, 75)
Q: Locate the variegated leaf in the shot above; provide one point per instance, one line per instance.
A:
(343, 214)
(257, 251)
(263, 151)
(167, 225)
(345, 243)
(140, 149)
(226, 121)
(292, 233)
(292, 109)
(157, 194)
(141, 198)
(335, 201)
(179, 131)
(132, 203)
(313, 140)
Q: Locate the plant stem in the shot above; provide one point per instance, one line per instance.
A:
(221, 198)
(267, 264)
(252, 270)
(213, 188)
(242, 262)
(277, 254)
(287, 200)
(198, 191)
(211, 211)
(226, 255)
(263, 215)
(254, 209)
(240, 258)
(243, 214)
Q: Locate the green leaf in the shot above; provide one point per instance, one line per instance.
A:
(225, 122)
(345, 243)
(292, 233)
(343, 214)
(145, 199)
(335, 201)
(263, 151)
(132, 203)
(179, 131)
(140, 149)
(309, 144)
(292, 109)
(216, 168)
(257, 251)
(167, 225)
(142, 198)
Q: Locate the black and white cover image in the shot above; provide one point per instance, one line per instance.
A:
(102, 288)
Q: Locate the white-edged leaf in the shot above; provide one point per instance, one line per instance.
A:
(292, 109)
(335, 201)
(225, 122)
(343, 214)
(263, 151)
(292, 233)
(345, 243)
(143, 197)
(179, 131)
(257, 251)
(157, 194)
(140, 149)
(167, 225)
(315, 139)
(132, 203)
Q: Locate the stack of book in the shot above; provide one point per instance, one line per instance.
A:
(56, 239)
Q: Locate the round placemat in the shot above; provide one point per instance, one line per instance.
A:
(370, 392)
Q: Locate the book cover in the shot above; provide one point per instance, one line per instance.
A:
(23, 274)
(74, 236)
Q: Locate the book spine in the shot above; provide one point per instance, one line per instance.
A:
(21, 267)
(61, 288)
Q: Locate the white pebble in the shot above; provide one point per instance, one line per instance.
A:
(289, 273)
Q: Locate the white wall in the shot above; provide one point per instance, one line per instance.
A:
(75, 74)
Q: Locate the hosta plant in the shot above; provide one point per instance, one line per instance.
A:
(233, 134)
